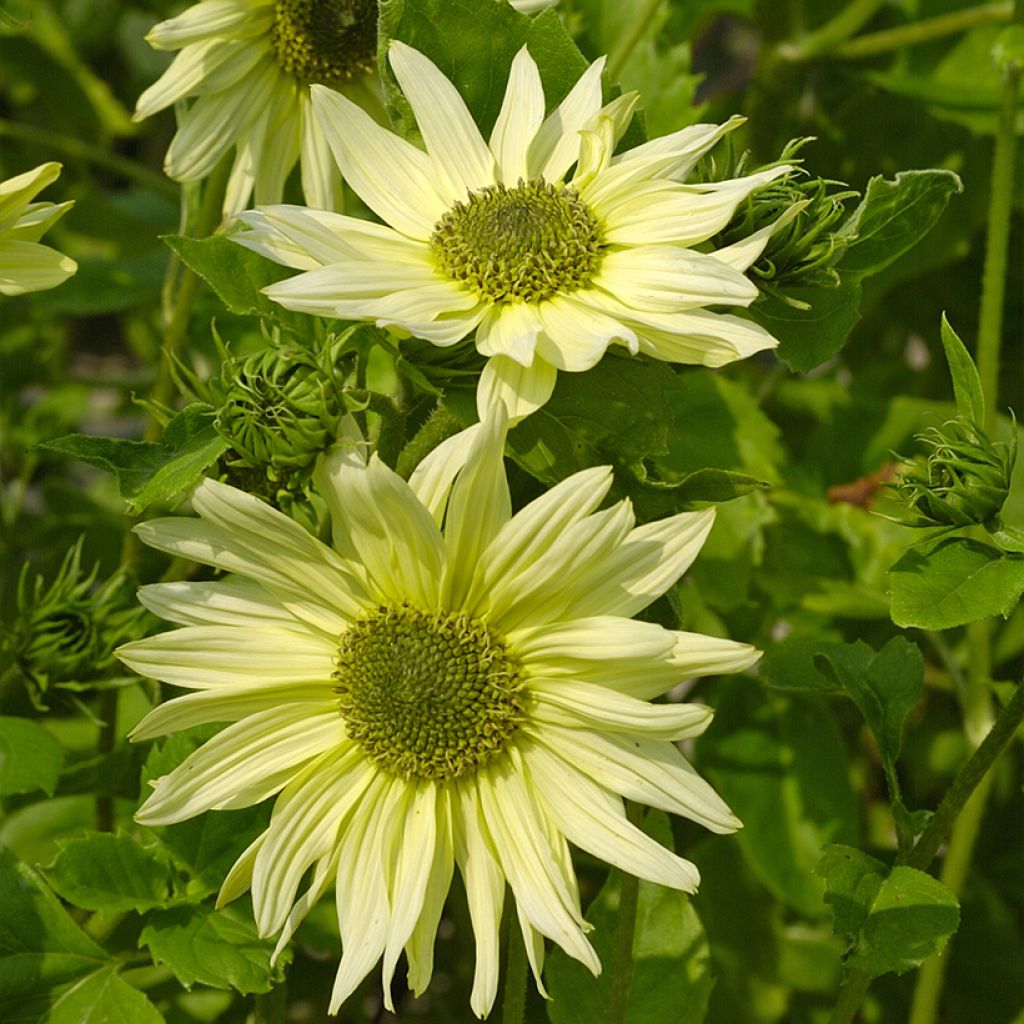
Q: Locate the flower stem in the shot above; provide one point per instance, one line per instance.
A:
(640, 22)
(513, 1003)
(832, 34)
(622, 965)
(874, 43)
(440, 425)
(851, 995)
(88, 151)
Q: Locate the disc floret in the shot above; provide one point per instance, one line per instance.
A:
(527, 242)
(429, 696)
(328, 42)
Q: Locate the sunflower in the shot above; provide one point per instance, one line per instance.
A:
(248, 65)
(25, 265)
(446, 684)
(494, 236)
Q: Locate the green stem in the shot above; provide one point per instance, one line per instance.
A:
(88, 151)
(513, 1004)
(270, 1007)
(851, 995)
(833, 33)
(105, 745)
(638, 26)
(993, 289)
(874, 43)
(440, 425)
(622, 962)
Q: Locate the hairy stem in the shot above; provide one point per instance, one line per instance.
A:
(440, 425)
(513, 1003)
(874, 43)
(637, 27)
(622, 963)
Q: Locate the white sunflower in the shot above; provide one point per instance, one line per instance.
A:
(25, 265)
(448, 683)
(493, 236)
(247, 65)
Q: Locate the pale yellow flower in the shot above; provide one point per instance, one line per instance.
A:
(447, 684)
(247, 66)
(541, 239)
(25, 265)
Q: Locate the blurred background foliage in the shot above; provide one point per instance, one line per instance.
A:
(803, 560)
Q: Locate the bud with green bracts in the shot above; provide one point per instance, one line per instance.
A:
(962, 481)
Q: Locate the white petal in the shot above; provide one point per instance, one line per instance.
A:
(672, 156)
(321, 179)
(17, 192)
(521, 114)
(432, 479)
(522, 390)
(30, 267)
(394, 178)
(205, 657)
(577, 335)
(209, 18)
(230, 603)
(244, 764)
(648, 771)
(239, 878)
(510, 329)
(462, 161)
(557, 142)
(36, 220)
(274, 135)
(702, 337)
(594, 820)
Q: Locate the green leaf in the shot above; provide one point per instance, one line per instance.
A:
(473, 44)
(954, 581)
(970, 400)
(781, 766)
(51, 972)
(219, 948)
(30, 757)
(237, 275)
(892, 217)
(110, 873)
(793, 665)
(911, 918)
(148, 472)
(671, 980)
(711, 485)
(852, 880)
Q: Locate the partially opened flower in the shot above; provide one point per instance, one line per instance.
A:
(25, 265)
(491, 236)
(248, 65)
(449, 683)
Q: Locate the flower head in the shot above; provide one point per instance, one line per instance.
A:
(541, 239)
(248, 65)
(448, 683)
(25, 265)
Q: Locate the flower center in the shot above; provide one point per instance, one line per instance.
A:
(325, 41)
(524, 243)
(426, 696)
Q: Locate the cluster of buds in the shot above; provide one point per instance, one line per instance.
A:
(807, 244)
(65, 632)
(963, 479)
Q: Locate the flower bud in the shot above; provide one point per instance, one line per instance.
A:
(963, 480)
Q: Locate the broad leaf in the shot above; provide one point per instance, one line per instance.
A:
(954, 581)
(110, 873)
(852, 880)
(30, 757)
(219, 948)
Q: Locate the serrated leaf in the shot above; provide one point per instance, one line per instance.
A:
(51, 972)
(954, 581)
(110, 873)
(911, 918)
(219, 948)
(149, 472)
(970, 399)
(671, 980)
(30, 757)
(852, 880)
(892, 217)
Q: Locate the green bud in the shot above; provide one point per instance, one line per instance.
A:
(66, 632)
(963, 480)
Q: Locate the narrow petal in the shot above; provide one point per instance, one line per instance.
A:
(239, 878)
(17, 192)
(36, 220)
(649, 771)
(432, 479)
(321, 179)
(594, 820)
(576, 335)
(521, 114)
(702, 337)
(672, 156)
(393, 177)
(244, 764)
(31, 267)
(210, 18)
(520, 389)
(461, 159)
(510, 329)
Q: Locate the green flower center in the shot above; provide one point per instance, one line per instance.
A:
(328, 42)
(525, 243)
(426, 696)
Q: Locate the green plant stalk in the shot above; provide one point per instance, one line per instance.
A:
(618, 57)
(874, 43)
(440, 425)
(105, 744)
(972, 781)
(832, 34)
(88, 151)
(622, 964)
(513, 1002)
